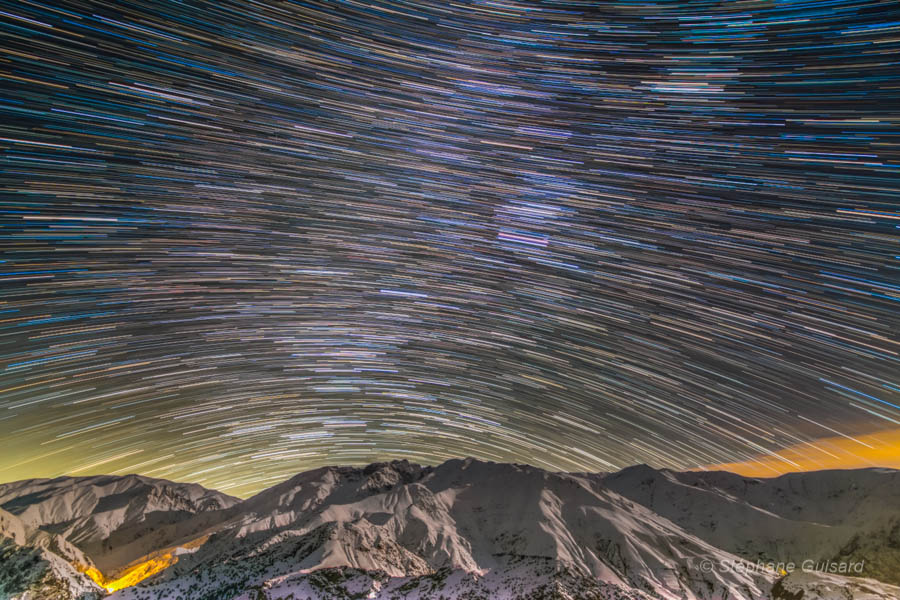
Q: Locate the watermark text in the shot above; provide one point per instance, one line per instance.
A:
(808, 565)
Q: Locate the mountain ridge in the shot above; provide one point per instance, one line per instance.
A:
(394, 528)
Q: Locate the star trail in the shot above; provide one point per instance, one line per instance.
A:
(243, 239)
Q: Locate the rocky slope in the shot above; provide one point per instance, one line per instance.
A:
(36, 565)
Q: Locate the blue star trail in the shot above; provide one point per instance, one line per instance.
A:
(240, 239)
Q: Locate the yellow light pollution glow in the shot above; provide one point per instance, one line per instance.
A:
(133, 574)
(880, 449)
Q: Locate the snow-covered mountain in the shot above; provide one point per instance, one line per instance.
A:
(823, 515)
(470, 529)
(74, 527)
(35, 564)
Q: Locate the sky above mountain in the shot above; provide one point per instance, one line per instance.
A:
(241, 240)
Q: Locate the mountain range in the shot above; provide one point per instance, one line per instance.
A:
(465, 529)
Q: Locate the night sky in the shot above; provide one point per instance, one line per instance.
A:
(244, 239)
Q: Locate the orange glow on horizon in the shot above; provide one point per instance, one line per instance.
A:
(880, 449)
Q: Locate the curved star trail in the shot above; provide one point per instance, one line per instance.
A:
(242, 239)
